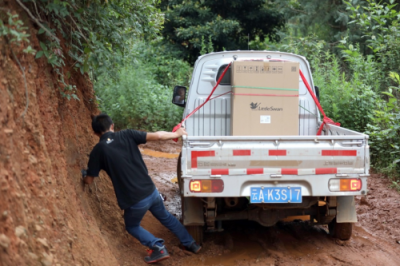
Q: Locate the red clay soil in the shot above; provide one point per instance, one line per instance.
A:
(47, 218)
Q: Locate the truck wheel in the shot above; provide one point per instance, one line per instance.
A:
(179, 174)
(342, 231)
(196, 231)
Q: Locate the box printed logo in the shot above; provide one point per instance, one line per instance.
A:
(257, 107)
(254, 105)
(259, 69)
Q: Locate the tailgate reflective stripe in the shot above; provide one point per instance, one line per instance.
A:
(220, 171)
(241, 152)
(196, 171)
(350, 170)
(306, 171)
(250, 161)
(237, 172)
(339, 153)
(286, 171)
(274, 171)
(277, 153)
(255, 171)
(196, 154)
(325, 171)
(277, 171)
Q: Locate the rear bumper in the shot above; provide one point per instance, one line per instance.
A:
(239, 186)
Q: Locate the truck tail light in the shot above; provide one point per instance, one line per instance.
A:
(206, 185)
(195, 186)
(352, 184)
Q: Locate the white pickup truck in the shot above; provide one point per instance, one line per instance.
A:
(264, 178)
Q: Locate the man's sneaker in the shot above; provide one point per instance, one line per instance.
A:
(194, 247)
(156, 254)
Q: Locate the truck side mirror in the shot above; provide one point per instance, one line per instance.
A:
(179, 96)
(317, 92)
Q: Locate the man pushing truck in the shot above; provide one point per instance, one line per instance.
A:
(118, 154)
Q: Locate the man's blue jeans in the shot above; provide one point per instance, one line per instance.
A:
(134, 215)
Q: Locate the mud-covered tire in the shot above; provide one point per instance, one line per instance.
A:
(341, 231)
(197, 232)
(179, 174)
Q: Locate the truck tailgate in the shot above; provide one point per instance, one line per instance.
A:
(287, 158)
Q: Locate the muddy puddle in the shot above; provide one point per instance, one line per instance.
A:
(159, 154)
(169, 188)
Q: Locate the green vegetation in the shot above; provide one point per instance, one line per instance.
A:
(96, 34)
(135, 52)
(140, 95)
(380, 26)
(229, 24)
(13, 29)
(384, 132)
(130, 105)
(356, 68)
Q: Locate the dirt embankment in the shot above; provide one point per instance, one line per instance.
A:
(45, 216)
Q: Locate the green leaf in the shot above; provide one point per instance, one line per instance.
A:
(387, 93)
(43, 46)
(75, 96)
(39, 54)
(29, 50)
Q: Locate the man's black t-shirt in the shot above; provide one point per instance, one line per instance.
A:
(118, 154)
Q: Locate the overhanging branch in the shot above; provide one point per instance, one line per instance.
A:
(38, 22)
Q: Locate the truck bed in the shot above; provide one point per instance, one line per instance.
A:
(214, 118)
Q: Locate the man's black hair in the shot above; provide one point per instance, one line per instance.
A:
(101, 123)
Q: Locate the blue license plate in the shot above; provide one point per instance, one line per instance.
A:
(275, 195)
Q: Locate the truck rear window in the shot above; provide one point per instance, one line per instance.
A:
(226, 80)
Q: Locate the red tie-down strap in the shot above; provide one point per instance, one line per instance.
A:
(326, 120)
(201, 105)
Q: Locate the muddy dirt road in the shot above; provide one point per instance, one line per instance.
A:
(48, 218)
(375, 238)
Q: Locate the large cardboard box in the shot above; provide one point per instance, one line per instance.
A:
(265, 98)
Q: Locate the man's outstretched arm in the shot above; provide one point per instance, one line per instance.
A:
(164, 135)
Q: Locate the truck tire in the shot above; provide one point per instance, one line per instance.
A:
(179, 173)
(341, 231)
(196, 231)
